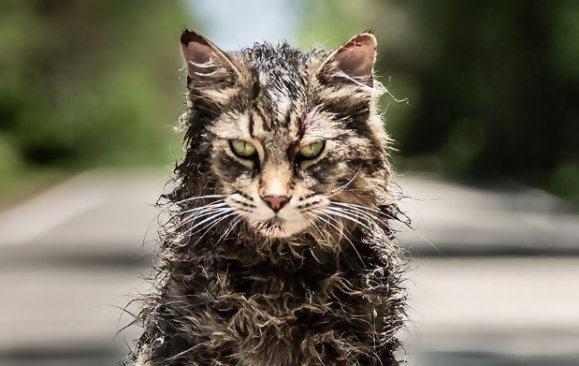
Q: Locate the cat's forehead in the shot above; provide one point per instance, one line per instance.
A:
(277, 85)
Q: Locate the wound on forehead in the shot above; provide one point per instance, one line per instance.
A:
(305, 123)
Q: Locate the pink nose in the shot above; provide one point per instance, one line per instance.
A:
(276, 202)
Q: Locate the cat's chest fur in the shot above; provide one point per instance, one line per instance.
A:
(277, 314)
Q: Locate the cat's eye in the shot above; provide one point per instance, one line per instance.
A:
(243, 149)
(311, 151)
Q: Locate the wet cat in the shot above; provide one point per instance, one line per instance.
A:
(279, 250)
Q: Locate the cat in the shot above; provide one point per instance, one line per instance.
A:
(279, 250)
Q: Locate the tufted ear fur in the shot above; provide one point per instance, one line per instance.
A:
(355, 58)
(205, 62)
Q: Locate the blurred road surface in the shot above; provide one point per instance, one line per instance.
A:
(495, 281)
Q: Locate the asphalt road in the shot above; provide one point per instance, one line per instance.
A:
(73, 256)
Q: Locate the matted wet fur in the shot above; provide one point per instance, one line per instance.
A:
(278, 251)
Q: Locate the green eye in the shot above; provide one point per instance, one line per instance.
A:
(312, 150)
(243, 149)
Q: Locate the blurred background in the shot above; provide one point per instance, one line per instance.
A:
(482, 106)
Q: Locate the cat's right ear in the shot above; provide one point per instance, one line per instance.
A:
(205, 62)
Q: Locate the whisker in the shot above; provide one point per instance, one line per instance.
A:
(232, 226)
(213, 225)
(323, 236)
(219, 203)
(196, 210)
(200, 198)
(207, 219)
(373, 209)
(360, 212)
(312, 219)
(187, 216)
(341, 213)
(340, 189)
(198, 215)
(195, 216)
(321, 216)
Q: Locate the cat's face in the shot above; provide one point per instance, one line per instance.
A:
(293, 135)
(278, 177)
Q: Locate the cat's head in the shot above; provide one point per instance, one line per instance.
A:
(289, 138)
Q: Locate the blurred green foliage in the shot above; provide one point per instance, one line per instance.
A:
(492, 85)
(86, 83)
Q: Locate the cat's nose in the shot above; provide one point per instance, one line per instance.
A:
(276, 202)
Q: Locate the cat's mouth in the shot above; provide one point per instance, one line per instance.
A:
(276, 223)
(280, 228)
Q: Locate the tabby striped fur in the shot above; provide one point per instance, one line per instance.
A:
(232, 290)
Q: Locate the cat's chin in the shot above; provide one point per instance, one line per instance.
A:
(280, 228)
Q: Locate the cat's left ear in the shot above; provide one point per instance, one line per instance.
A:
(355, 58)
(205, 62)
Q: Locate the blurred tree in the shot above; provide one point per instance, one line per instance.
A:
(492, 84)
(88, 82)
